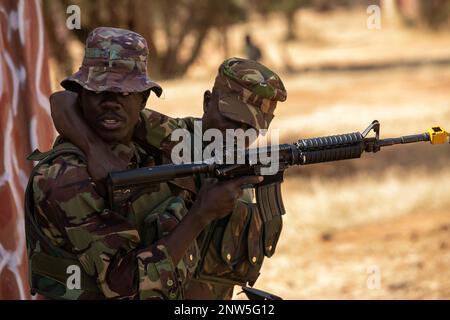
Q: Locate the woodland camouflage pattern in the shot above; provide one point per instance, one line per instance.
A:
(114, 60)
(121, 253)
(235, 252)
(122, 250)
(249, 92)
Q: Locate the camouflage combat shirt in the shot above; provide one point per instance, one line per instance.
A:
(122, 250)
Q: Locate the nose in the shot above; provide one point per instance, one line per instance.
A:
(110, 101)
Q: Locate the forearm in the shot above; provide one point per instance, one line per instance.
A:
(70, 125)
(206, 209)
(159, 275)
(185, 233)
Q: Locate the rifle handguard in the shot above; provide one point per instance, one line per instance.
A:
(331, 148)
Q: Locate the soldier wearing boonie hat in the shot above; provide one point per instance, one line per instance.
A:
(249, 92)
(114, 60)
(70, 220)
(136, 248)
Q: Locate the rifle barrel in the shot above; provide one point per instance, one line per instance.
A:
(404, 139)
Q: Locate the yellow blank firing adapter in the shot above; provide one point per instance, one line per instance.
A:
(437, 135)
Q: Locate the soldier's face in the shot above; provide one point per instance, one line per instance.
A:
(112, 115)
(213, 119)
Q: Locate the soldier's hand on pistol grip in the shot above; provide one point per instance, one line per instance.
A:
(216, 198)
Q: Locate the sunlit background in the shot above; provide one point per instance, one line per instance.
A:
(371, 228)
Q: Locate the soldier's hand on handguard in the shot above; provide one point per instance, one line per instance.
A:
(216, 198)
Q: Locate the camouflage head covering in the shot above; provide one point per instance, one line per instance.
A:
(114, 60)
(248, 92)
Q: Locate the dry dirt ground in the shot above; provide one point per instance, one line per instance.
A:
(373, 228)
(406, 257)
(376, 227)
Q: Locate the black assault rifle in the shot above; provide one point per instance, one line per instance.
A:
(268, 192)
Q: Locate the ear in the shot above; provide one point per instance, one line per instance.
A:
(206, 100)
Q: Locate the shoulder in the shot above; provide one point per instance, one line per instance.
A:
(67, 166)
(188, 122)
(156, 129)
(160, 124)
(62, 189)
(64, 171)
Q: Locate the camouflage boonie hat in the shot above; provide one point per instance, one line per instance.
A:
(114, 60)
(249, 92)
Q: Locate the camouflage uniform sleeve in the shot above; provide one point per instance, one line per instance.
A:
(155, 129)
(73, 215)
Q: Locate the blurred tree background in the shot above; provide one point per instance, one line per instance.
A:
(176, 30)
(434, 13)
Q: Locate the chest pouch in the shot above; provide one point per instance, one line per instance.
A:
(234, 247)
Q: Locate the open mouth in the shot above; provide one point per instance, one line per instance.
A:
(110, 121)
